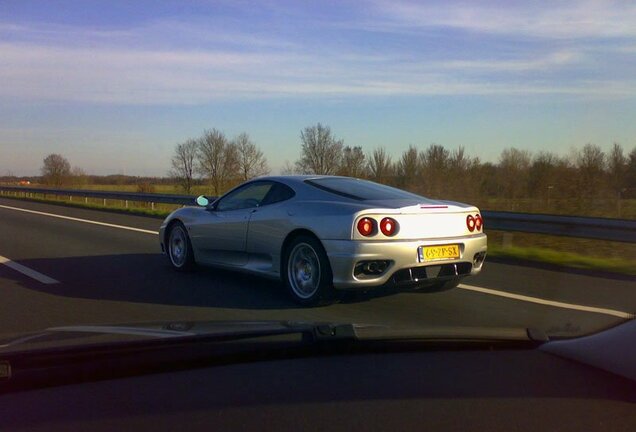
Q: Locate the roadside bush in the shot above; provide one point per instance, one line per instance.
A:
(146, 188)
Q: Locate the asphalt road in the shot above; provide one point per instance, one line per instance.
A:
(115, 274)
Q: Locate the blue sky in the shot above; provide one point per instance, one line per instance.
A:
(113, 85)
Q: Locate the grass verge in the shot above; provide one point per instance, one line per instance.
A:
(565, 259)
(138, 211)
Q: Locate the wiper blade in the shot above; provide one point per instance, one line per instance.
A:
(218, 331)
(476, 334)
(84, 336)
(310, 331)
(206, 344)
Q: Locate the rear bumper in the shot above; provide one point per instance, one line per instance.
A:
(405, 266)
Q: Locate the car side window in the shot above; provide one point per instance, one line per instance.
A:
(278, 193)
(252, 195)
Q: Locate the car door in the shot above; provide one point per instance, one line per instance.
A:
(220, 236)
(268, 226)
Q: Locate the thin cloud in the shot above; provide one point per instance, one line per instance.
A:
(548, 19)
(141, 65)
(164, 77)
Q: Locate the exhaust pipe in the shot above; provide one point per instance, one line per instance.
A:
(371, 268)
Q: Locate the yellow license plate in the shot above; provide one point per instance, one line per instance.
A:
(441, 252)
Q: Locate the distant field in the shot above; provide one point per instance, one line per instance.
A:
(159, 188)
(611, 207)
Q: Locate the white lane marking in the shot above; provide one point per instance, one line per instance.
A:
(27, 271)
(81, 220)
(612, 312)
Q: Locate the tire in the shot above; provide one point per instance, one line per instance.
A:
(179, 248)
(307, 273)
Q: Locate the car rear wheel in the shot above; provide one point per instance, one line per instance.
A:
(179, 248)
(307, 273)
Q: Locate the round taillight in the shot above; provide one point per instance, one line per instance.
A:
(388, 226)
(366, 226)
(470, 223)
(479, 223)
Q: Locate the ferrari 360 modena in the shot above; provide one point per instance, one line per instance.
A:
(318, 234)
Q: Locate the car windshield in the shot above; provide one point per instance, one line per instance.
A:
(414, 165)
(361, 189)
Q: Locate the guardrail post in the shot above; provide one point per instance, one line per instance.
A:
(126, 203)
(85, 200)
(104, 202)
(70, 198)
(152, 205)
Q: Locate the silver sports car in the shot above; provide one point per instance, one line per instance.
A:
(317, 233)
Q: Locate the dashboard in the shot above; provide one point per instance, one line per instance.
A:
(506, 390)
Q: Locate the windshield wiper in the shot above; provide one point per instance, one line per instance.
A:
(186, 345)
(104, 337)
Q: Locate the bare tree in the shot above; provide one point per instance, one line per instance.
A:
(631, 171)
(380, 166)
(408, 167)
(514, 166)
(590, 162)
(617, 169)
(321, 152)
(434, 162)
(353, 162)
(79, 176)
(458, 160)
(217, 159)
(435, 157)
(184, 164)
(251, 161)
(288, 168)
(56, 170)
(542, 175)
(464, 175)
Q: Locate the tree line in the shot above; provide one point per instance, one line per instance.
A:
(222, 162)
(438, 172)
(583, 174)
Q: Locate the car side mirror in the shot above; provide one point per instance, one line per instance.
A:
(202, 201)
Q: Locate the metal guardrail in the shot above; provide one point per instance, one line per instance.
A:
(620, 230)
(105, 195)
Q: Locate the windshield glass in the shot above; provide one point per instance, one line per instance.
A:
(424, 165)
(360, 189)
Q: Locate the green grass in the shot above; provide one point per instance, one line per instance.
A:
(140, 211)
(565, 259)
(158, 188)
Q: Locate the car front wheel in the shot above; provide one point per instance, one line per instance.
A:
(179, 248)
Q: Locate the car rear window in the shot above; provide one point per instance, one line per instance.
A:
(361, 190)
